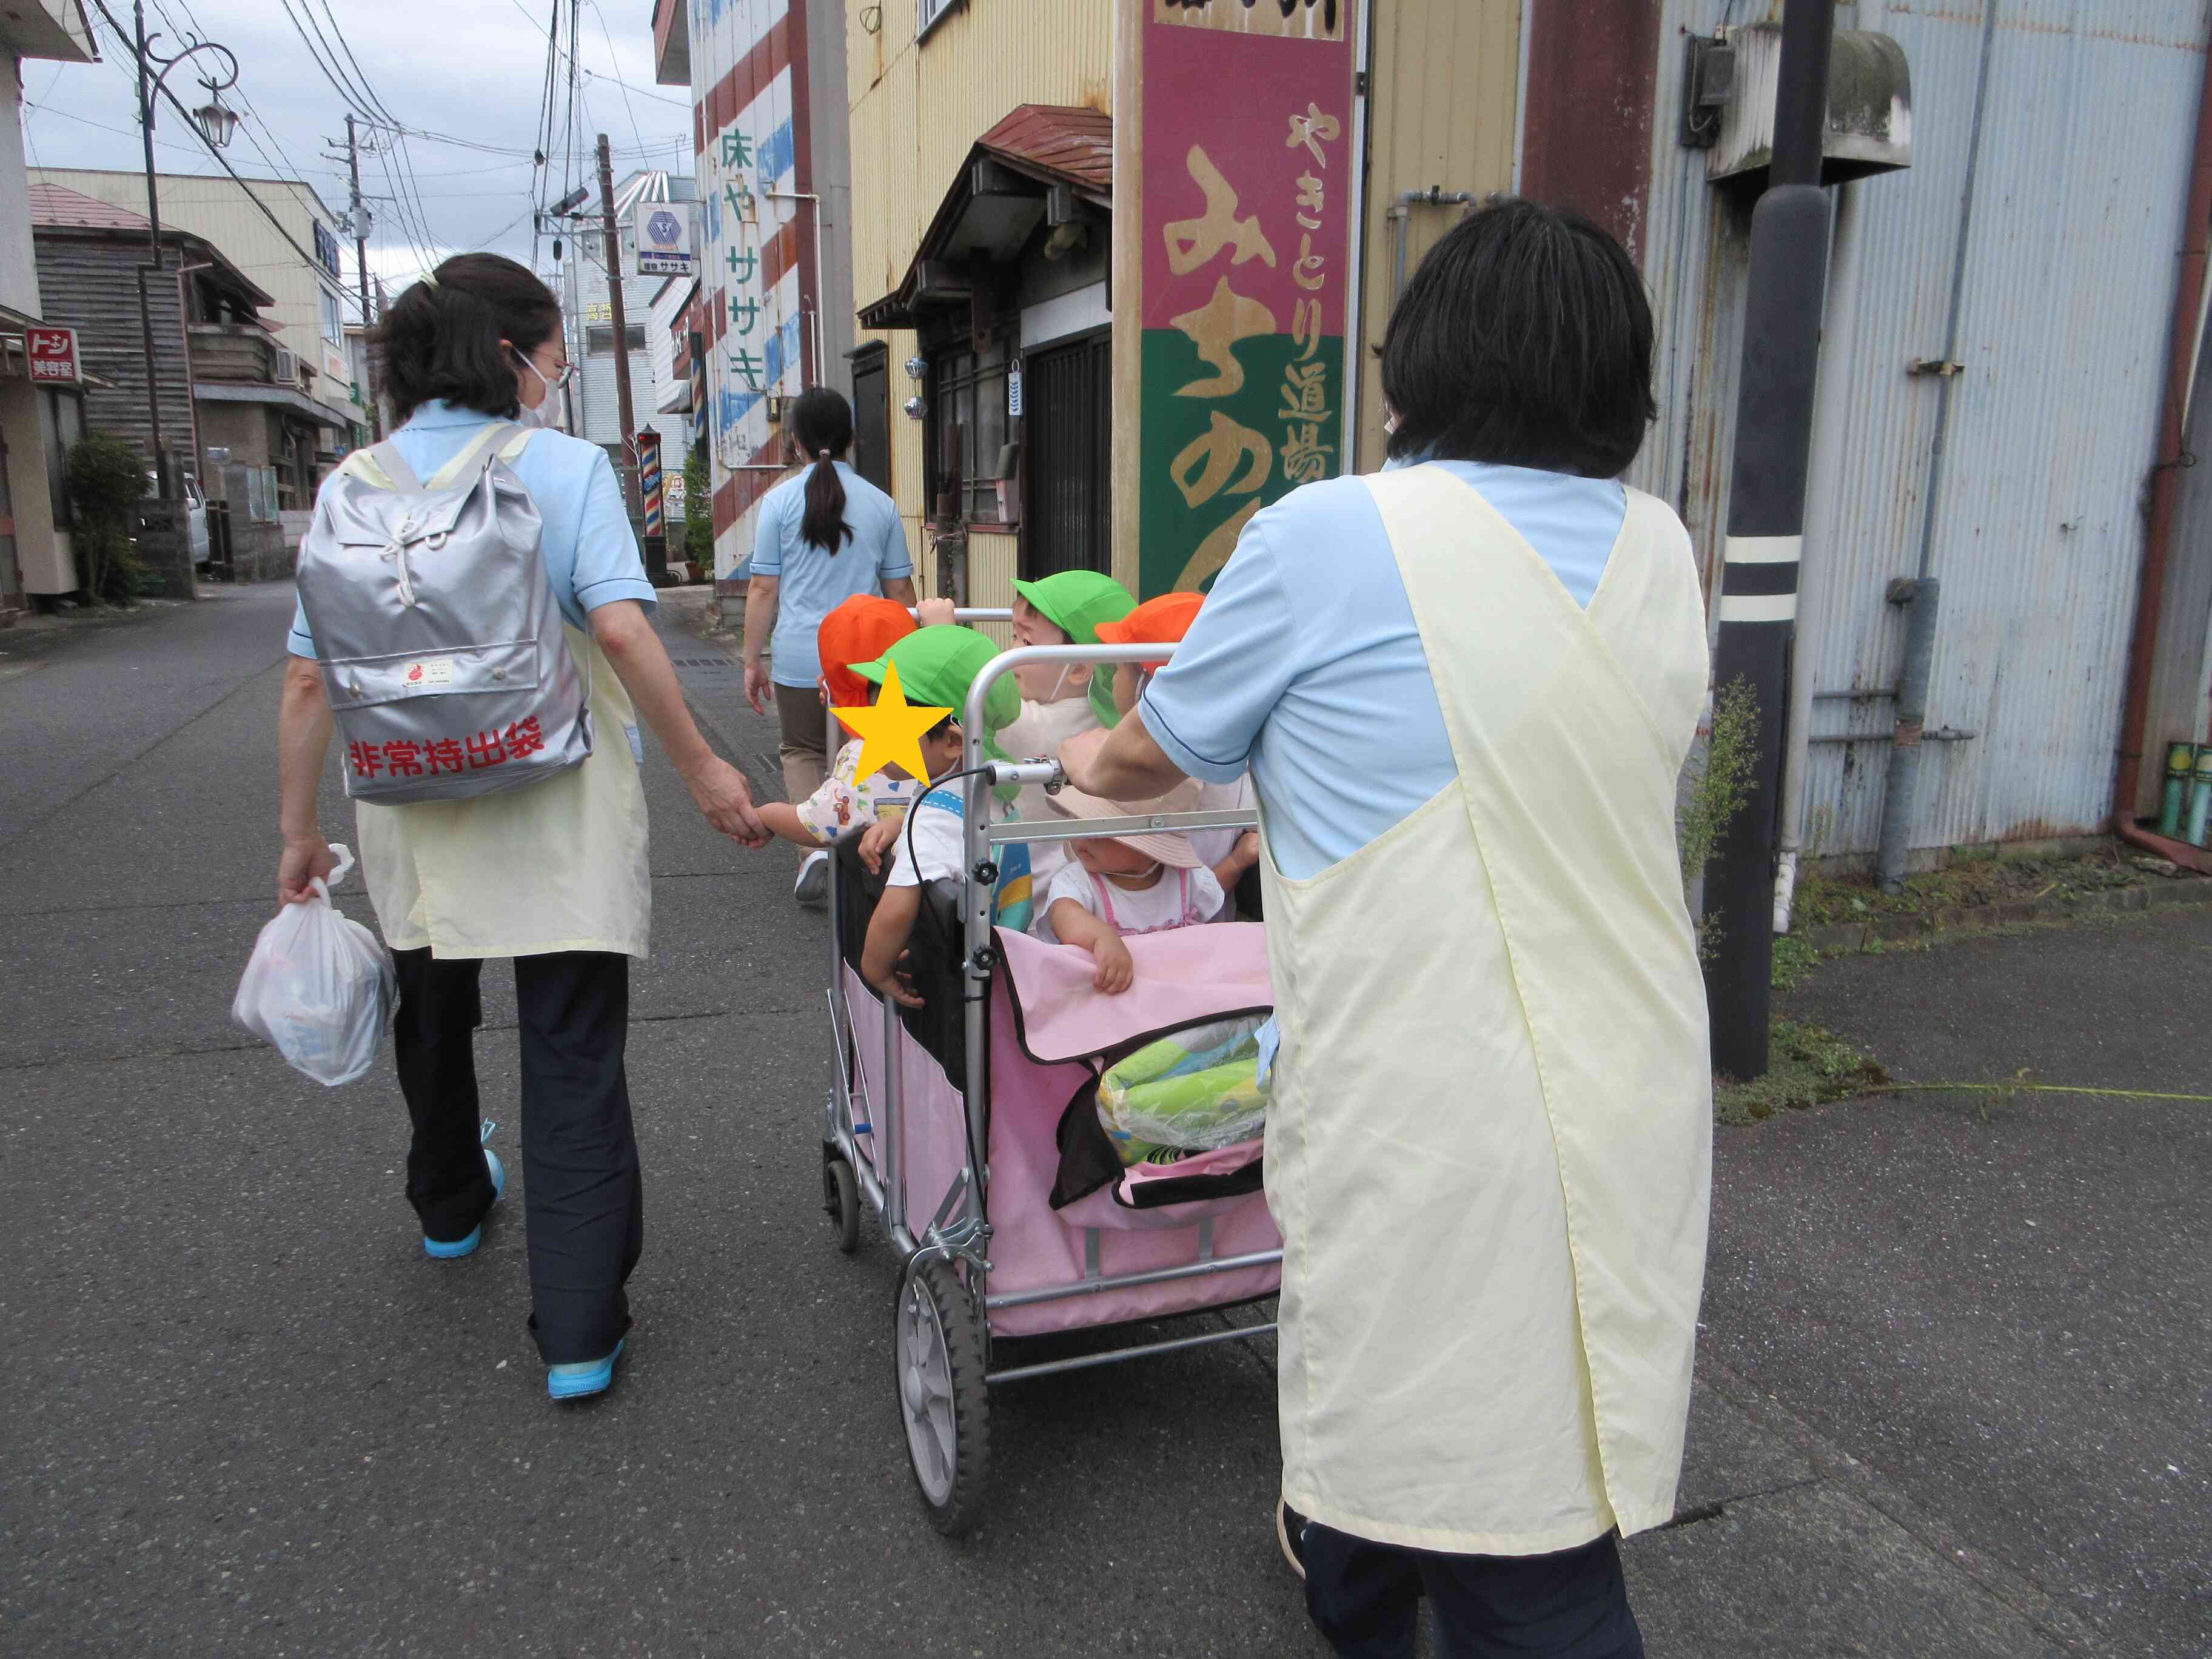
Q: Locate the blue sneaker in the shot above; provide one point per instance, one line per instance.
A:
(461, 1247)
(586, 1377)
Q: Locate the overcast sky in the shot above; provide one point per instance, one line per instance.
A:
(470, 69)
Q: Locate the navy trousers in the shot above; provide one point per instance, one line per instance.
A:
(584, 1204)
(1365, 1597)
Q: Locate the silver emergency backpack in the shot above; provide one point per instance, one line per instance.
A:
(441, 641)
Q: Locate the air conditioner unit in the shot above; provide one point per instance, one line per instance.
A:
(287, 367)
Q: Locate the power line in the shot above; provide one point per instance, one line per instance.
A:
(129, 45)
(243, 98)
(615, 63)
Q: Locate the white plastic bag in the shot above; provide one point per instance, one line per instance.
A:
(320, 986)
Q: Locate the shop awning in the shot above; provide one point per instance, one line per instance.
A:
(997, 199)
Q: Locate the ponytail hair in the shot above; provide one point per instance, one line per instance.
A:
(822, 422)
(442, 339)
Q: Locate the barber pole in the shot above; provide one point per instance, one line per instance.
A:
(648, 478)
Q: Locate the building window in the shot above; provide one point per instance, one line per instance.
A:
(929, 13)
(967, 430)
(599, 341)
(326, 249)
(333, 311)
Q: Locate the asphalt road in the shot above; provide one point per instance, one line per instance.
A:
(248, 1416)
(1952, 1398)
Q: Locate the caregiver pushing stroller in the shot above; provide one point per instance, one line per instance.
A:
(1465, 688)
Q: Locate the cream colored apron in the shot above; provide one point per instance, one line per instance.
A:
(1489, 1146)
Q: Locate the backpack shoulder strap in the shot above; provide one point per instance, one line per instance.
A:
(384, 467)
(476, 454)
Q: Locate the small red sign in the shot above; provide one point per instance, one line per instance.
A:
(52, 353)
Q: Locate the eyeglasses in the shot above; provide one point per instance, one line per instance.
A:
(554, 381)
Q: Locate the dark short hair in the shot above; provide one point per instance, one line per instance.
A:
(442, 339)
(1524, 339)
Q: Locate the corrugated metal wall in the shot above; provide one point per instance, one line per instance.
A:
(1442, 112)
(2069, 285)
(917, 106)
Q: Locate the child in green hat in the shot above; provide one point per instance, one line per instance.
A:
(936, 668)
(1057, 703)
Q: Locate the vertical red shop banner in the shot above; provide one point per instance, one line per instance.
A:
(1247, 158)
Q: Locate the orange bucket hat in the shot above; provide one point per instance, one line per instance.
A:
(860, 630)
(1163, 620)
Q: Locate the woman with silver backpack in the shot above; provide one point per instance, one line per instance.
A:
(480, 645)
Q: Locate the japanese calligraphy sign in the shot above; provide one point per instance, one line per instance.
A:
(759, 322)
(1243, 262)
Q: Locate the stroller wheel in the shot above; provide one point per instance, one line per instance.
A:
(841, 1200)
(943, 1401)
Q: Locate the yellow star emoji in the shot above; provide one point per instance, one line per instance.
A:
(890, 733)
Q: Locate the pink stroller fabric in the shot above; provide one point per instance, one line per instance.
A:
(1182, 978)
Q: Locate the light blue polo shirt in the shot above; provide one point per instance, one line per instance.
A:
(589, 553)
(814, 580)
(1305, 665)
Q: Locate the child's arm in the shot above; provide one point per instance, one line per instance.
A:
(1073, 924)
(880, 838)
(888, 929)
(782, 819)
(1242, 857)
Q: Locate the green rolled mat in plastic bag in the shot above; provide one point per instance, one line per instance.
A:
(1192, 1092)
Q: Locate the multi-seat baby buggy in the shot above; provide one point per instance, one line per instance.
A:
(971, 1128)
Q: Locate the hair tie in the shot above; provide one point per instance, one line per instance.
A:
(821, 455)
(429, 279)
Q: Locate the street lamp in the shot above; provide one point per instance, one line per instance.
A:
(217, 120)
(217, 123)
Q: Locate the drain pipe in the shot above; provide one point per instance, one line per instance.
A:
(1831, 408)
(1899, 789)
(1401, 215)
(2164, 486)
(1905, 752)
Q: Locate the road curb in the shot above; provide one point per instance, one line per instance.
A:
(1959, 921)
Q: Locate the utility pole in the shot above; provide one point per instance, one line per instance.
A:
(357, 216)
(1766, 526)
(621, 328)
(161, 488)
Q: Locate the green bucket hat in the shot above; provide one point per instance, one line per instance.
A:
(937, 667)
(1076, 602)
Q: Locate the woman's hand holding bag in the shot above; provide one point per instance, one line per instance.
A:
(318, 987)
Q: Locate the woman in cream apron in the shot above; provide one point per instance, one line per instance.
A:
(554, 876)
(1465, 687)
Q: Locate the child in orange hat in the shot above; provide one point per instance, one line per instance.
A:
(859, 630)
(1163, 620)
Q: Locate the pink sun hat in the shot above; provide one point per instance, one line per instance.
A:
(1170, 846)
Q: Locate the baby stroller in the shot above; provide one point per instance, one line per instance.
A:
(970, 1126)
